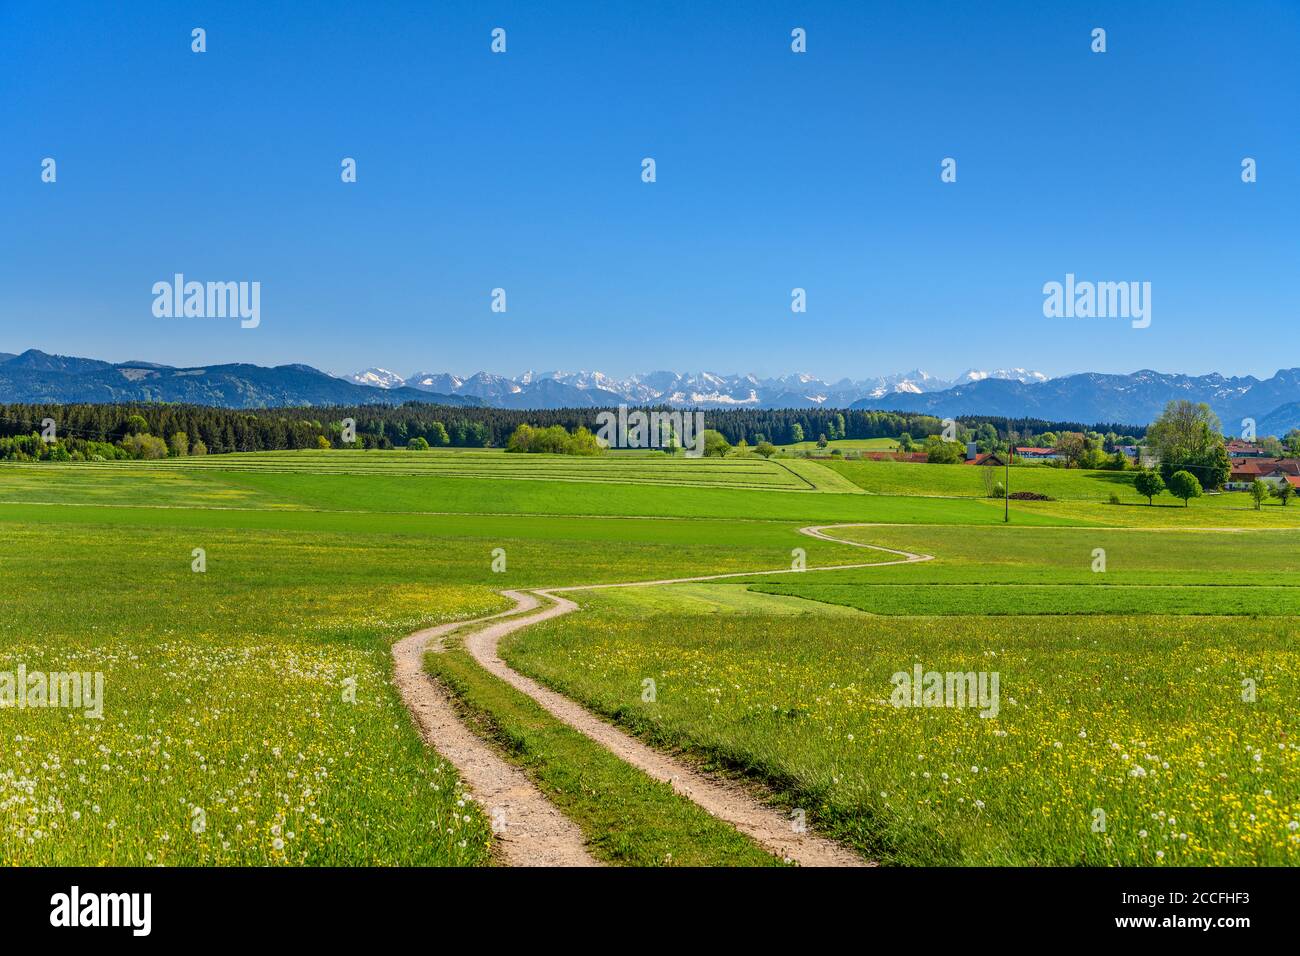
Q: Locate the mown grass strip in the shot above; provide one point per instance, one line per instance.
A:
(628, 818)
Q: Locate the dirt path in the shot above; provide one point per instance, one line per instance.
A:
(535, 832)
(539, 833)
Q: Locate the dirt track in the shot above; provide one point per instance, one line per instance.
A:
(536, 833)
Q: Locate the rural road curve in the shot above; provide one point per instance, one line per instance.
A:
(538, 834)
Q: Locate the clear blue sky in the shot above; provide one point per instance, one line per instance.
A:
(775, 170)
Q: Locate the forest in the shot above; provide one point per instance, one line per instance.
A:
(75, 431)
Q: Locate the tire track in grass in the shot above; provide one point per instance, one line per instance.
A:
(538, 834)
(544, 838)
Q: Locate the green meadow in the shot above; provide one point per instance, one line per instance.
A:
(249, 717)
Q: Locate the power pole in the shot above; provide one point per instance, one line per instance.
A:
(1006, 483)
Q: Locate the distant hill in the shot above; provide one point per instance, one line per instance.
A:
(1280, 420)
(36, 376)
(1138, 398)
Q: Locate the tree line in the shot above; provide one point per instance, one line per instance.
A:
(78, 427)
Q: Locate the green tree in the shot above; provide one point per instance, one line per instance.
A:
(821, 440)
(1148, 484)
(438, 435)
(417, 444)
(1283, 492)
(583, 442)
(1271, 446)
(136, 425)
(1187, 437)
(1184, 485)
(1116, 462)
(765, 448)
(905, 442)
(322, 442)
(715, 446)
(1071, 446)
(179, 444)
(521, 439)
(198, 448)
(796, 433)
(145, 446)
(841, 430)
(1258, 492)
(940, 452)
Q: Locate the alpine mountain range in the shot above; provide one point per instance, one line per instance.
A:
(1090, 397)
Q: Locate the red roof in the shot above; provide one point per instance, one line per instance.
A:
(1243, 468)
(1026, 450)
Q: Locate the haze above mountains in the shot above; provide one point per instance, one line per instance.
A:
(1090, 397)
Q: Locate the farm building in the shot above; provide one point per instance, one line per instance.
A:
(1271, 471)
(1244, 449)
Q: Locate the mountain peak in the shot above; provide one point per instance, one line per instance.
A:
(700, 389)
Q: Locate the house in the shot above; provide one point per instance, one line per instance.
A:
(1244, 449)
(1243, 473)
(1027, 453)
(1271, 471)
(1281, 473)
(993, 458)
(1130, 451)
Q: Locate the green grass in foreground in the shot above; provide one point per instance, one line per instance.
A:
(1140, 717)
(223, 690)
(228, 735)
(628, 818)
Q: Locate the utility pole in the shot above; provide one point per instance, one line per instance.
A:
(1006, 483)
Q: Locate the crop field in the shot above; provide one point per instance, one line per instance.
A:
(241, 611)
(620, 467)
(843, 444)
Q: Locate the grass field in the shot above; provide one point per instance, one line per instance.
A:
(843, 444)
(619, 467)
(1141, 718)
(230, 734)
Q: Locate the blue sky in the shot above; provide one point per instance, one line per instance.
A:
(775, 170)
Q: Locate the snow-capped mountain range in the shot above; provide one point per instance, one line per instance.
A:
(694, 390)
